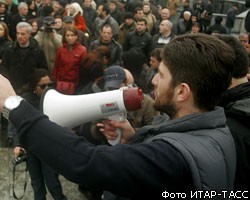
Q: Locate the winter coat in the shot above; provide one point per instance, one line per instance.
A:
(19, 63)
(67, 63)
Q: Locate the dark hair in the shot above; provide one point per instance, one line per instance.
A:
(113, 1)
(71, 28)
(206, 65)
(242, 61)
(36, 77)
(143, 20)
(133, 60)
(197, 24)
(106, 25)
(105, 8)
(218, 19)
(156, 53)
(137, 9)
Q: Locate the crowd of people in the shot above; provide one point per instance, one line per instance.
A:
(88, 46)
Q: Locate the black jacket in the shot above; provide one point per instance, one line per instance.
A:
(135, 40)
(237, 108)
(140, 171)
(18, 63)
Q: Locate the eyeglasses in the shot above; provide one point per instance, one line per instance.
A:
(43, 86)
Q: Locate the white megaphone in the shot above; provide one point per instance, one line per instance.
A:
(73, 110)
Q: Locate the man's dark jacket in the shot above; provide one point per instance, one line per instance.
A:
(237, 108)
(19, 63)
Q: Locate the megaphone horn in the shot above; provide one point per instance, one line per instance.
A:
(73, 110)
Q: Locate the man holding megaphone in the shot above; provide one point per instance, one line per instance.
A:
(189, 149)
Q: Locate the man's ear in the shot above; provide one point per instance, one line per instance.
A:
(183, 92)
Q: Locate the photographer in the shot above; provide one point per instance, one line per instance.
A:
(49, 40)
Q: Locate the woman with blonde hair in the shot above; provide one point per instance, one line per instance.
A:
(77, 12)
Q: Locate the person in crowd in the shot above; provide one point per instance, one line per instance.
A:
(67, 62)
(200, 148)
(32, 9)
(230, 19)
(21, 16)
(11, 8)
(217, 27)
(149, 16)
(195, 28)
(115, 12)
(92, 69)
(138, 14)
(139, 38)
(165, 15)
(89, 14)
(199, 8)
(244, 39)
(104, 17)
(136, 62)
(13, 63)
(4, 16)
(77, 12)
(172, 6)
(127, 26)
(207, 16)
(132, 5)
(184, 24)
(84, 37)
(155, 60)
(164, 36)
(58, 23)
(19, 61)
(186, 7)
(115, 77)
(236, 103)
(49, 40)
(57, 8)
(45, 9)
(5, 39)
(35, 26)
(106, 39)
(41, 174)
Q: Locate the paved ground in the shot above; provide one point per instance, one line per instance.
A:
(6, 178)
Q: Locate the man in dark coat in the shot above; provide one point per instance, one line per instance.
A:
(236, 104)
(22, 57)
(231, 14)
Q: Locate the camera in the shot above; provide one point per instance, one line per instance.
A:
(47, 22)
(22, 157)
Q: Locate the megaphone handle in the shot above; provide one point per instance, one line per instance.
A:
(118, 117)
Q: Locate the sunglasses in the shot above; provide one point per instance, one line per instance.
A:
(43, 86)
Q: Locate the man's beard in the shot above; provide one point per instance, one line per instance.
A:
(168, 106)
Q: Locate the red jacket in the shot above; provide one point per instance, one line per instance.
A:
(67, 63)
(80, 23)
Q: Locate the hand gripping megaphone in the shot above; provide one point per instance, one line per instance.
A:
(73, 110)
